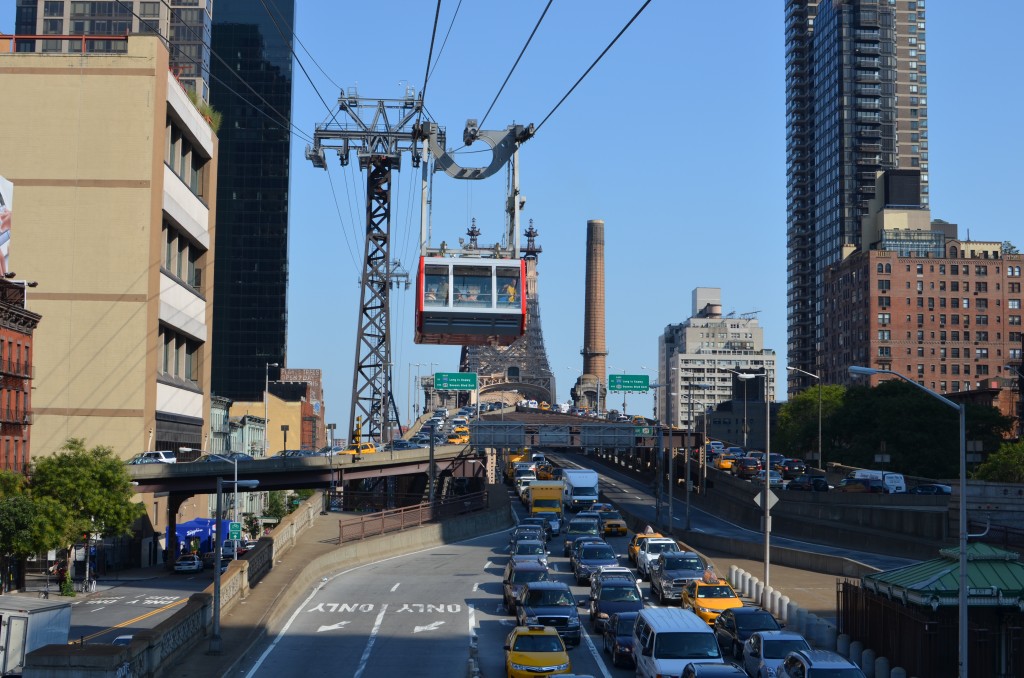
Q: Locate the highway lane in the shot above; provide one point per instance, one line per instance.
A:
(416, 613)
(635, 496)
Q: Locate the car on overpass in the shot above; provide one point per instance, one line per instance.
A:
(361, 448)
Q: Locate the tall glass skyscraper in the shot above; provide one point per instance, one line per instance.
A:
(250, 316)
(856, 103)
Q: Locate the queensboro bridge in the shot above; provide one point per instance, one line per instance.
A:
(521, 370)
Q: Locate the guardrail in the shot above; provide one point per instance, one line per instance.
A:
(395, 520)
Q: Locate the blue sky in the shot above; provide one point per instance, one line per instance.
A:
(676, 140)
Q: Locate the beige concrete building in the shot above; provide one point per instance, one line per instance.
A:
(115, 175)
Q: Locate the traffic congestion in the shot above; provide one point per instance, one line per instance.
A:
(641, 603)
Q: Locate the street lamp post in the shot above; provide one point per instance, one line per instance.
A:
(962, 410)
(745, 377)
(821, 459)
(215, 639)
(266, 407)
(686, 480)
(284, 430)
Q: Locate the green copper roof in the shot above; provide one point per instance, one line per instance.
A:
(994, 577)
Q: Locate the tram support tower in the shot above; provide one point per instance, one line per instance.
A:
(379, 131)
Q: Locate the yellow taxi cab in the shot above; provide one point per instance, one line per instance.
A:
(634, 543)
(708, 597)
(724, 462)
(361, 448)
(535, 651)
(458, 438)
(611, 521)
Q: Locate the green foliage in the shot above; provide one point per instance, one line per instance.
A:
(67, 587)
(252, 525)
(212, 116)
(303, 495)
(920, 434)
(796, 432)
(1009, 248)
(27, 524)
(276, 505)
(92, 487)
(1005, 465)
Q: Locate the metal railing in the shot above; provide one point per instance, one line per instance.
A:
(396, 520)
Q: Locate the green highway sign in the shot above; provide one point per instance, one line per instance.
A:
(455, 381)
(633, 383)
(645, 431)
(235, 531)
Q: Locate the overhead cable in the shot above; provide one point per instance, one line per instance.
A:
(587, 72)
(523, 51)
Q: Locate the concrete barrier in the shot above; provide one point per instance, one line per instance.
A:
(882, 667)
(867, 663)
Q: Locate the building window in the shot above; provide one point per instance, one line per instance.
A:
(883, 285)
(884, 352)
(884, 319)
(981, 320)
(884, 335)
(1013, 303)
(884, 301)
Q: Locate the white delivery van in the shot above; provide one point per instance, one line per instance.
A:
(666, 640)
(28, 624)
(894, 482)
(580, 488)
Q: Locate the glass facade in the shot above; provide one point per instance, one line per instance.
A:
(855, 105)
(250, 316)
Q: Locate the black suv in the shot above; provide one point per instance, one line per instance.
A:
(808, 483)
(518, 574)
(549, 603)
(734, 626)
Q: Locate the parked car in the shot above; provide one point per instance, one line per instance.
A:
(165, 456)
(531, 547)
(863, 485)
(361, 448)
(735, 625)
(671, 572)
(612, 596)
(143, 459)
(553, 602)
(764, 652)
(933, 489)
(579, 528)
(188, 562)
(818, 662)
(808, 483)
(774, 478)
(590, 558)
(517, 575)
(791, 468)
(650, 549)
(746, 467)
(618, 638)
(634, 544)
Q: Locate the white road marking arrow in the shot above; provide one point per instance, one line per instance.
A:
(433, 626)
(332, 627)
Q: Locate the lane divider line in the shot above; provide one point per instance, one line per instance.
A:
(370, 641)
(128, 623)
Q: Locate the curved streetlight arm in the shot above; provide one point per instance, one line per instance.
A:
(961, 408)
(809, 374)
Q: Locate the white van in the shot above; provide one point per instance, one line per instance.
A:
(668, 639)
(894, 482)
(165, 456)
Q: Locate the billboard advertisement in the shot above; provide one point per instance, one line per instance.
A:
(6, 205)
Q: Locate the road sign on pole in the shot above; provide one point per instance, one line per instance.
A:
(455, 381)
(630, 383)
(773, 499)
(234, 531)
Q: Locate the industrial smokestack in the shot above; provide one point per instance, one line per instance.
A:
(591, 388)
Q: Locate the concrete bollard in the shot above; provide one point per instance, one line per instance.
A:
(774, 599)
(801, 621)
(791, 613)
(758, 590)
(843, 645)
(744, 581)
(766, 596)
(734, 574)
(856, 652)
(898, 673)
(867, 664)
(828, 638)
(882, 667)
(783, 609)
(812, 630)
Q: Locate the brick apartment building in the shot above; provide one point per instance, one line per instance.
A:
(951, 324)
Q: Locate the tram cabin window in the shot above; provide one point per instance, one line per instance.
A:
(435, 286)
(508, 290)
(472, 286)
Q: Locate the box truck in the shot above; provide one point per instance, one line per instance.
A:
(546, 495)
(580, 490)
(28, 624)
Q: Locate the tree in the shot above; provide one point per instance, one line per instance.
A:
(1005, 465)
(797, 424)
(252, 525)
(27, 525)
(93, 488)
(276, 505)
(1009, 248)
